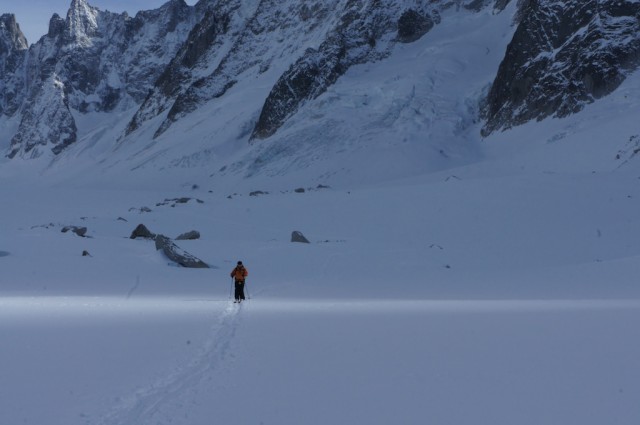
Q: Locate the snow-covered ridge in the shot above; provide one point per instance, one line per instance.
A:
(193, 86)
(105, 61)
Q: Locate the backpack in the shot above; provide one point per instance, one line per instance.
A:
(239, 273)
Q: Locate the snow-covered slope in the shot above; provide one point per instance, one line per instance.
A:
(416, 122)
(182, 86)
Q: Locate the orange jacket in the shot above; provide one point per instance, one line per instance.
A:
(239, 273)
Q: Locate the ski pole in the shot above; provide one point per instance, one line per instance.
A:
(246, 287)
(231, 288)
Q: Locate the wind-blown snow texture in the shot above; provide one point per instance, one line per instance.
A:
(449, 278)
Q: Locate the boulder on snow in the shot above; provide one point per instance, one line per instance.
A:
(142, 232)
(178, 255)
(175, 201)
(140, 210)
(297, 236)
(80, 231)
(189, 236)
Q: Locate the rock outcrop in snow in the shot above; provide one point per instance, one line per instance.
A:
(564, 55)
(191, 62)
(176, 254)
(365, 32)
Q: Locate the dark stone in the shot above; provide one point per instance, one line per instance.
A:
(297, 236)
(189, 236)
(80, 231)
(142, 232)
(175, 201)
(177, 255)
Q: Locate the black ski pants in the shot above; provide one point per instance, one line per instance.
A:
(239, 289)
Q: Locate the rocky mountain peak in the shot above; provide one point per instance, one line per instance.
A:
(92, 61)
(171, 14)
(11, 37)
(13, 48)
(56, 26)
(82, 21)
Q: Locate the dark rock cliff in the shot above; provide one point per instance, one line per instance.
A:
(564, 55)
(365, 32)
(13, 46)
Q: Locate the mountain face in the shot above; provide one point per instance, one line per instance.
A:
(163, 65)
(13, 46)
(92, 61)
(365, 32)
(275, 35)
(564, 54)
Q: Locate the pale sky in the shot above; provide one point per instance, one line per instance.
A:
(33, 15)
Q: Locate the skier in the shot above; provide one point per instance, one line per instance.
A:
(239, 274)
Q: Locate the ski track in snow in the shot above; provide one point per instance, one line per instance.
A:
(155, 403)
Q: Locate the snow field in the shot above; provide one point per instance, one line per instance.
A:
(307, 361)
(366, 324)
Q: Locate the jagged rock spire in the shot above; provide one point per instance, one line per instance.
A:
(13, 48)
(56, 26)
(82, 21)
(11, 37)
